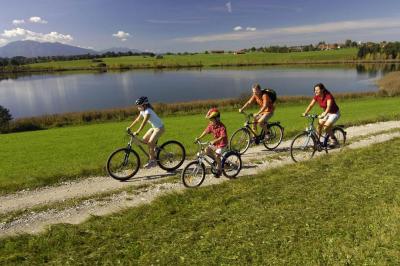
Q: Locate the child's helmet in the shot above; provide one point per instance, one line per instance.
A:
(142, 100)
(213, 112)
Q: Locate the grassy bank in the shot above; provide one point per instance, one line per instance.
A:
(196, 60)
(337, 209)
(390, 84)
(38, 158)
(171, 109)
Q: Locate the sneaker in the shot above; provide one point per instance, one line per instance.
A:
(150, 164)
(218, 174)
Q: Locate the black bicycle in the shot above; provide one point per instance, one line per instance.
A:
(194, 173)
(307, 143)
(242, 138)
(124, 163)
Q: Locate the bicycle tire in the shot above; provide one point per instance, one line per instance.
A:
(164, 157)
(240, 140)
(275, 135)
(124, 174)
(231, 160)
(340, 135)
(311, 149)
(187, 174)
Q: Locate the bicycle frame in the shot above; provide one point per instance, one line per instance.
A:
(139, 143)
(248, 124)
(201, 154)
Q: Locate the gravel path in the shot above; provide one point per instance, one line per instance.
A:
(255, 160)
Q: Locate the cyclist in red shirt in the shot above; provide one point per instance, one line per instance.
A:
(331, 111)
(266, 106)
(220, 141)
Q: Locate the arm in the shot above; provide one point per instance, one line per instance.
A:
(145, 119)
(134, 122)
(309, 107)
(246, 104)
(202, 135)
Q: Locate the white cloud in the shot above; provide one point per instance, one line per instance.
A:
(251, 29)
(37, 20)
(36, 36)
(330, 27)
(18, 21)
(14, 33)
(3, 41)
(229, 7)
(121, 35)
(237, 28)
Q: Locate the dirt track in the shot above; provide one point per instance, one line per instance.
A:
(255, 160)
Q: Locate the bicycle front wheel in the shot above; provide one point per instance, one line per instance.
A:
(171, 155)
(231, 164)
(273, 137)
(123, 164)
(302, 147)
(193, 174)
(240, 140)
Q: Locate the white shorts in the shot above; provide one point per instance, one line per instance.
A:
(330, 118)
(220, 151)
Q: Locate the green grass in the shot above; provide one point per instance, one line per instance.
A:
(340, 209)
(39, 158)
(207, 60)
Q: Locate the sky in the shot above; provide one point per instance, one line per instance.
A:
(185, 25)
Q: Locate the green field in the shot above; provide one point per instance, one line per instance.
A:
(340, 209)
(207, 60)
(38, 158)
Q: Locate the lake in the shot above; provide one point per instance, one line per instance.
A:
(38, 94)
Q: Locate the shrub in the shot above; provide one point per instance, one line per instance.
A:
(5, 118)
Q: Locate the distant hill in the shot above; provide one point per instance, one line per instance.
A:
(35, 49)
(120, 50)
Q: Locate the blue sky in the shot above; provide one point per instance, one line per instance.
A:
(179, 25)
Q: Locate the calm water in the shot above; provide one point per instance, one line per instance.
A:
(58, 93)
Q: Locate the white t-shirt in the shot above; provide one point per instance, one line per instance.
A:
(154, 120)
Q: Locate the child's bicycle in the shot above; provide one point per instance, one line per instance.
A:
(243, 137)
(305, 144)
(124, 163)
(194, 173)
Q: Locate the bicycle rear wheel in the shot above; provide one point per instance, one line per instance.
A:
(123, 164)
(231, 164)
(193, 174)
(340, 135)
(240, 140)
(274, 137)
(171, 155)
(303, 147)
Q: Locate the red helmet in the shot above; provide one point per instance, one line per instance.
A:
(213, 112)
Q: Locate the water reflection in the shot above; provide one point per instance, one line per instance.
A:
(31, 95)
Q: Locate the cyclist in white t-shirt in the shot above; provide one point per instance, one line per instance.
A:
(154, 133)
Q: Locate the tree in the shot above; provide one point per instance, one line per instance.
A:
(5, 118)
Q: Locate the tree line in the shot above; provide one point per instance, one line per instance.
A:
(21, 60)
(383, 50)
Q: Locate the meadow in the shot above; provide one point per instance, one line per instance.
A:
(204, 60)
(340, 209)
(44, 157)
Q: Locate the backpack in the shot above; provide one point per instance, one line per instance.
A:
(271, 93)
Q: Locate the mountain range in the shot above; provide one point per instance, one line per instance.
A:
(36, 49)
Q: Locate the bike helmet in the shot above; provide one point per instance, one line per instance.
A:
(213, 112)
(142, 100)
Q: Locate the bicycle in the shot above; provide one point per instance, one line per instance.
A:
(241, 138)
(194, 173)
(305, 144)
(124, 163)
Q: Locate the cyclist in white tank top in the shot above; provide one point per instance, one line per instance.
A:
(154, 133)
